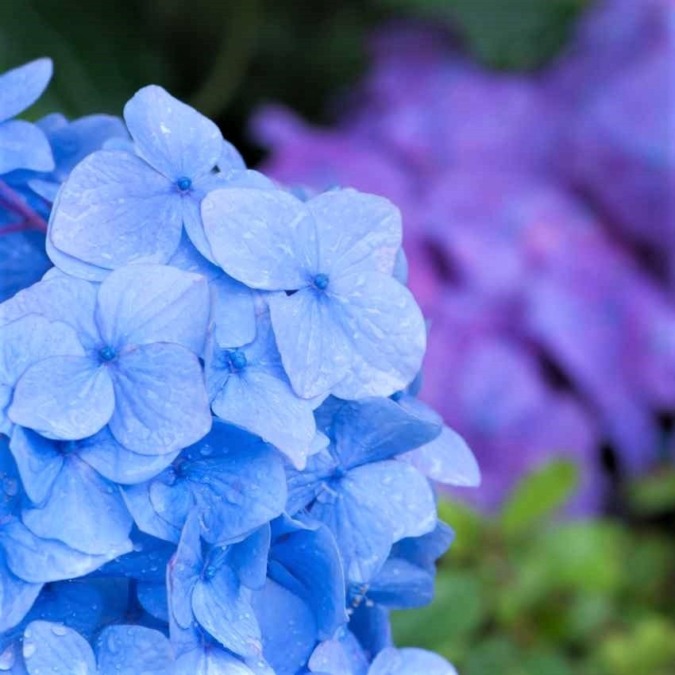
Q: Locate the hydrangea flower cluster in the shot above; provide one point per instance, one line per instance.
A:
(540, 234)
(211, 456)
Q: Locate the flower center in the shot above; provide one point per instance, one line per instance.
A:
(237, 360)
(320, 281)
(184, 184)
(107, 354)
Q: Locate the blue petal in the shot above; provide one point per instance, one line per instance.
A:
(142, 304)
(307, 562)
(230, 160)
(133, 650)
(84, 511)
(160, 399)
(209, 660)
(386, 331)
(114, 209)
(16, 597)
(375, 429)
(401, 585)
(267, 406)
(248, 558)
(152, 597)
(54, 648)
(23, 261)
(238, 489)
(447, 459)
(183, 572)
(66, 397)
(357, 232)
(425, 550)
(116, 463)
(73, 266)
(22, 86)
(43, 560)
(341, 656)
(24, 146)
(409, 661)
(374, 506)
(265, 239)
(288, 628)
(222, 607)
(22, 343)
(314, 348)
(58, 298)
(171, 136)
(233, 312)
(38, 461)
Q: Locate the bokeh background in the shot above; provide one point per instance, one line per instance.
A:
(530, 145)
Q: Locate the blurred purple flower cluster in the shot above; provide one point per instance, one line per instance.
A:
(540, 233)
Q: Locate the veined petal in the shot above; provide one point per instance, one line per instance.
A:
(55, 648)
(232, 312)
(22, 86)
(358, 232)
(65, 397)
(263, 238)
(115, 209)
(16, 597)
(386, 331)
(141, 304)
(24, 146)
(161, 399)
(268, 407)
(83, 510)
(133, 650)
(172, 137)
(315, 351)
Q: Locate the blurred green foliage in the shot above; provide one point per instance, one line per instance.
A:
(526, 593)
(227, 58)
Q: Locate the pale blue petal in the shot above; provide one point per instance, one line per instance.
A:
(56, 649)
(189, 259)
(84, 511)
(58, 298)
(22, 86)
(230, 160)
(24, 146)
(16, 598)
(314, 348)
(387, 335)
(161, 399)
(116, 463)
(288, 628)
(222, 607)
(114, 209)
(265, 239)
(72, 266)
(133, 650)
(38, 461)
(22, 343)
(267, 406)
(232, 312)
(447, 459)
(401, 494)
(183, 572)
(209, 660)
(42, 560)
(238, 483)
(142, 304)
(409, 661)
(171, 136)
(308, 563)
(375, 429)
(357, 232)
(341, 656)
(65, 397)
(145, 513)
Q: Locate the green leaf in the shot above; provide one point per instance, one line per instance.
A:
(538, 496)
(653, 494)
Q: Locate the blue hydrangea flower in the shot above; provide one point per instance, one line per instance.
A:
(136, 369)
(367, 499)
(117, 207)
(231, 479)
(331, 261)
(22, 144)
(121, 650)
(248, 386)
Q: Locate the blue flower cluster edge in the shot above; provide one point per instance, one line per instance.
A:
(212, 459)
